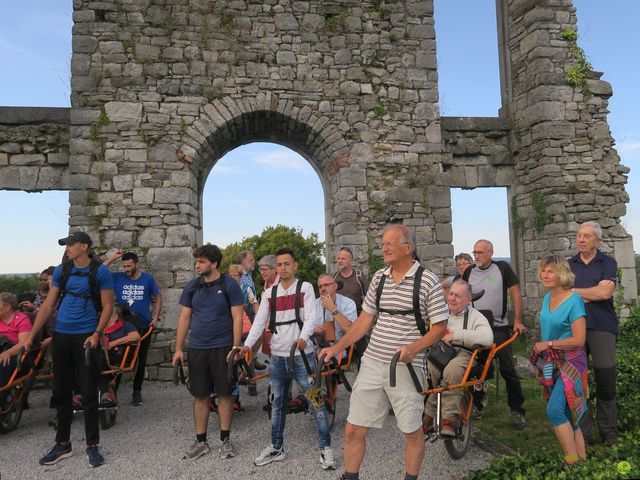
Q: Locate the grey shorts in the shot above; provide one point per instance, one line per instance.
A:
(372, 396)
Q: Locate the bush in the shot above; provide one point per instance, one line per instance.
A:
(628, 363)
(19, 283)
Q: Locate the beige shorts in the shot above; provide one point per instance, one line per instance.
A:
(372, 396)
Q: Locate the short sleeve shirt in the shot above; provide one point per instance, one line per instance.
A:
(495, 286)
(20, 323)
(556, 324)
(137, 293)
(76, 313)
(601, 315)
(396, 330)
(211, 320)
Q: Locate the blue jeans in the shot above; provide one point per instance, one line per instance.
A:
(281, 378)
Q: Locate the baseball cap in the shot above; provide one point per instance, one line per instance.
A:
(76, 237)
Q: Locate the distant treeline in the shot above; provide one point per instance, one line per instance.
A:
(19, 282)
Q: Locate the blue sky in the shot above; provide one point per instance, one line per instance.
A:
(35, 50)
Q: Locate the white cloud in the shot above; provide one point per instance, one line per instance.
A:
(286, 160)
(227, 170)
(628, 146)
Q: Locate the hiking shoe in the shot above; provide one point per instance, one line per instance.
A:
(57, 453)
(226, 449)
(327, 459)
(136, 398)
(610, 440)
(518, 421)
(269, 455)
(252, 388)
(447, 430)
(196, 450)
(95, 457)
(77, 402)
(107, 398)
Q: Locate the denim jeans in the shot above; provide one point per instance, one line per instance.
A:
(281, 377)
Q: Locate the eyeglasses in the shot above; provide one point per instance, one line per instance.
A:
(321, 285)
(384, 245)
(478, 252)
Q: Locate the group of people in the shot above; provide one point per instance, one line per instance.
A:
(403, 309)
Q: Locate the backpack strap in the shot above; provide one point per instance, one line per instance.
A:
(466, 318)
(94, 291)
(467, 273)
(360, 281)
(417, 283)
(297, 306)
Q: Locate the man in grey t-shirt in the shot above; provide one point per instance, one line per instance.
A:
(498, 280)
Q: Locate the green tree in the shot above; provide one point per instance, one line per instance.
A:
(308, 250)
(19, 283)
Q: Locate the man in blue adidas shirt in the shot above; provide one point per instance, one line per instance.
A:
(211, 306)
(85, 289)
(139, 290)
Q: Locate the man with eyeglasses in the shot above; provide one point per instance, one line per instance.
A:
(396, 330)
(499, 281)
(333, 307)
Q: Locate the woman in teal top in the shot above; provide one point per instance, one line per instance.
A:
(563, 332)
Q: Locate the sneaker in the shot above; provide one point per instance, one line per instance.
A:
(94, 456)
(107, 398)
(226, 449)
(518, 421)
(447, 430)
(57, 453)
(327, 459)
(77, 402)
(610, 440)
(136, 398)
(196, 450)
(269, 455)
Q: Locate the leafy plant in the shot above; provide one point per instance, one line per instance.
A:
(378, 110)
(540, 215)
(578, 73)
(516, 219)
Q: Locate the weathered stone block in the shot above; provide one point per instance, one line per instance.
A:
(151, 237)
(142, 195)
(124, 111)
(180, 236)
(27, 159)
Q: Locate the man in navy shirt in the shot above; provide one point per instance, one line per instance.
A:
(85, 289)
(211, 306)
(139, 290)
(596, 279)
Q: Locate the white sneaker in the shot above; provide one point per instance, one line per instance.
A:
(327, 459)
(269, 455)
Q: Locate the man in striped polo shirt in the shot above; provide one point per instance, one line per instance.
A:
(291, 321)
(395, 330)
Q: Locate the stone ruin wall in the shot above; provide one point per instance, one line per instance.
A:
(162, 89)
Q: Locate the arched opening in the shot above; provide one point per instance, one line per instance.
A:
(259, 185)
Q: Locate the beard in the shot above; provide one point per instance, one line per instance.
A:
(131, 273)
(205, 273)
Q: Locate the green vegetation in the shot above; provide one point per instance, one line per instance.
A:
(578, 73)
(516, 219)
(540, 216)
(308, 250)
(19, 283)
(378, 110)
(540, 455)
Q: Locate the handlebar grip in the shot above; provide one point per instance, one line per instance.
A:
(231, 366)
(21, 352)
(87, 356)
(392, 369)
(178, 373)
(319, 367)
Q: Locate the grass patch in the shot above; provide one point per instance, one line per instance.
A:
(496, 418)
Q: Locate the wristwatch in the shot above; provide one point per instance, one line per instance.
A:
(335, 312)
(551, 344)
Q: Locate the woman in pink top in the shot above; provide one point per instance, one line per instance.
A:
(14, 331)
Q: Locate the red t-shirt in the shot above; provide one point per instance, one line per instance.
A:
(20, 323)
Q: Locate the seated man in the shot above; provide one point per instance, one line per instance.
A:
(477, 333)
(333, 310)
(14, 331)
(117, 333)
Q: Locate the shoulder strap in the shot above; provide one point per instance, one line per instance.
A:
(360, 281)
(467, 273)
(466, 319)
(297, 304)
(272, 309)
(502, 266)
(383, 278)
(65, 273)
(93, 285)
(417, 282)
(223, 287)
(194, 289)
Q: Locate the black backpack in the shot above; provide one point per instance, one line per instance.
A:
(94, 291)
(417, 282)
(272, 309)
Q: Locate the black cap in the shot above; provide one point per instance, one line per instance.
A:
(76, 237)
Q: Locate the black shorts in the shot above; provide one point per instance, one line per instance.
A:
(208, 371)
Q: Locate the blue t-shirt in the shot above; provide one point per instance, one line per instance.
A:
(556, 325)
(211, 320)
(77, 314)
(137, 293)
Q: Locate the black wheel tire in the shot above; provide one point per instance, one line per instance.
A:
(458, 447)
(10, 420)
(107, 418)
(328, 384)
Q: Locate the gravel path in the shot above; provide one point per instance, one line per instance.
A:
(147, 443)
